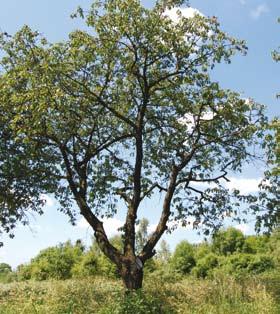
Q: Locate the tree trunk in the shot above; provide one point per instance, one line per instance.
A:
(132, 274)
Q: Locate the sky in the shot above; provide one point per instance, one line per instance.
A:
(255, 75)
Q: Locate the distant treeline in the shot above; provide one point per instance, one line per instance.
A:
(228, 252)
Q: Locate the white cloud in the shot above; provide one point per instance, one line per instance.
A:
(189, 120)
(3, 254)
(151, 228)
(245, 186)
(185, 12)
(244, 228)
(111, 225)
(82, 224)
(49, 201)
(259, 10)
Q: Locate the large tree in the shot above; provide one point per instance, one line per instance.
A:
(121, 113)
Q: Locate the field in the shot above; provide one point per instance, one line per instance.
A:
(222, 295)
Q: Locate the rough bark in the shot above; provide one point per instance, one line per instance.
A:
(131, 272)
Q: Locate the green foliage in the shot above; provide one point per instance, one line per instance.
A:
(182, 260)
(267, 209)
(229, 252)
(150, 266)
(137, 302)
(86, 266)
(202, 249)
(71, 260)
(6, 273)
(5, 268)
(240, 264)
(102, 296)
(54, 262)
(256, 244)
(24, 272)
(106, 267)
(205, 265)
(228, 241)
(78, 110)
(274, 246)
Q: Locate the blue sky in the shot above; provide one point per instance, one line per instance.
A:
(255, 75)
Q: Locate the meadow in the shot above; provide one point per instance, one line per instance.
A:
(221, 295)
(230, 274)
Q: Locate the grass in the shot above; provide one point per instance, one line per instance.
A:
(103, 296)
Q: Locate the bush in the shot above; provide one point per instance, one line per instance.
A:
(228, 241)
(137, 302)
(205, 265)
(6, 273)
(23, 272)
(54, 262)
(183, 260)
(86, 266)
(260, 264)
(241, 263)
(256, 244)
(201, 250)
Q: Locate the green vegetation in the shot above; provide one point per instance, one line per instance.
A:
(124, 109)
(222, 295)
(228, 253)
(232, 273)
(120, 113)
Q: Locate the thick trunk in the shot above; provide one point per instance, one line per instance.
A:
(132, 275)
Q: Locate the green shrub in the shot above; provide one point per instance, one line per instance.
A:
(6, 273)
(87, 265)
(242, 263)
(256, 244)
(205, 265)
(228, 241)
(183, 260)
(202, 249)
(23, 272)
(53, 262)
(136, 302)
(260, 264)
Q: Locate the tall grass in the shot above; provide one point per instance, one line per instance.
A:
(98, 295)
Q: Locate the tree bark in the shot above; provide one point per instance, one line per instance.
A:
(132, 274)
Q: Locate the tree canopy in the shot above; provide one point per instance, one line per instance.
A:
(119, 113)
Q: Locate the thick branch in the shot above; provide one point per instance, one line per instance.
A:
(107, 248)
(148, 250)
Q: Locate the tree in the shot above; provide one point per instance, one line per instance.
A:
(141, 234)
(163, 253)
(120, 113)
